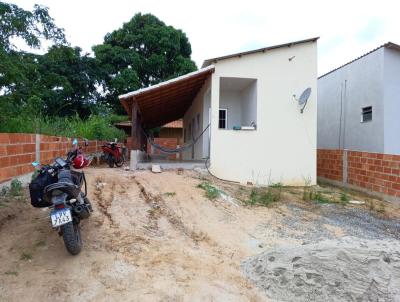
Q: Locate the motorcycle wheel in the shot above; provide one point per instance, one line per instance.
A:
(72, 238)
(110, 161)
(120, 162)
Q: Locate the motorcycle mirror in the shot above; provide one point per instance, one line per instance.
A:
(35, 164)
(75, 142)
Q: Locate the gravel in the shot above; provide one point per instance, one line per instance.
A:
(354, 222)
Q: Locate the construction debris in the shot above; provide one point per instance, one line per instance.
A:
(156, 169)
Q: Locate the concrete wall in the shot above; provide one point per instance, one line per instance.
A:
(392, 101)
(198, 107)
(232, 100)
(283, 148)
(341, 96)
(249, 104)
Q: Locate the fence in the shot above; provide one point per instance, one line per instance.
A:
(373, 172)
(19, 150)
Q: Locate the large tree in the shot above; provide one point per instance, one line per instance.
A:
(30, 26)
(143, 52)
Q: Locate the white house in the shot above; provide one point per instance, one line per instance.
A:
(246, 105)
(358, 103)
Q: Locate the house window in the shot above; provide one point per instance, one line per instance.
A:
(223, 119)
(366, 114)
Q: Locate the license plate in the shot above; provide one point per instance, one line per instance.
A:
(60, 217)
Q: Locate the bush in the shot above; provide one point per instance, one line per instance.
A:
(95, 127)
(16, 188)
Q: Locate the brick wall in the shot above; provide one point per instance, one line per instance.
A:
(18, 151)
(330, 164)
(169, 143)
(374, 172)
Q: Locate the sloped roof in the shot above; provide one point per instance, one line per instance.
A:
(386, 45)
(264, 49)
(166, 101)
(175, 124)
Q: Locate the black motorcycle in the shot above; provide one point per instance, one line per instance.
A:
(60, 188)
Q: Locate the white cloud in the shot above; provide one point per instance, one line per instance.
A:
(223, 27)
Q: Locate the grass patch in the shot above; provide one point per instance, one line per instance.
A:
(265, 196)
(310, 194)
(26, 256)
(210, 191)
(40, 243)
(11, 273)
(170, 194)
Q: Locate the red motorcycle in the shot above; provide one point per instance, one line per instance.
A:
(113, 154)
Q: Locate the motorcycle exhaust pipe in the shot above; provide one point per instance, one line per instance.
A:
(82, 211)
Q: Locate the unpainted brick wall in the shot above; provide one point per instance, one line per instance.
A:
(330, 164)
(375, 172)
(18, 151)
(169, 143)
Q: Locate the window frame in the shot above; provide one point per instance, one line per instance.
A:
(366, 111)
(226, 118)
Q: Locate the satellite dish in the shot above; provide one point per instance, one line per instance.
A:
(304, 98)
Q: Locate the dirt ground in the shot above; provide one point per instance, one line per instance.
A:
(152, 237)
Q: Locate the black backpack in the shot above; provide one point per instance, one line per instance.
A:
(36, 188)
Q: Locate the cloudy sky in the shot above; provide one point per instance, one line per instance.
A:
(346, 29)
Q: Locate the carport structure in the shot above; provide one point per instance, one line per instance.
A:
(165, 102)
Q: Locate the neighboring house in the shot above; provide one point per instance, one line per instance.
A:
(169, 130)
(359, 103)
(256, 132)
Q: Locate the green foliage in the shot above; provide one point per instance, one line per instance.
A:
(210, 191)
(170, 194)
(95, 127)
(266, 196)
(143, 52)
(67, 92)
(15, 188)
(26, 256)
(30, 26)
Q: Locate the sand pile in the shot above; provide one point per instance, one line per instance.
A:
(349, 269)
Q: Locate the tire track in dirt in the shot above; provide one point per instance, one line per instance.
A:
(159, 208)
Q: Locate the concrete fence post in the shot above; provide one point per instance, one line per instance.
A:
(345, 166)
(133, 160)
(37, 148)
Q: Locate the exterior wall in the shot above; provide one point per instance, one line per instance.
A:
(232, 100)
(176, 133)
(283, 148)
(392, 101)
(167, 142)
(18, 151)
(198, 107)
(330, 164)
(375, 173)
(249, 104)
(341, 95)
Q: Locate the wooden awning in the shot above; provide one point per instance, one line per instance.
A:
(167, 101)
